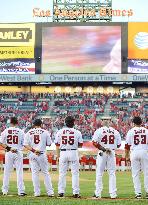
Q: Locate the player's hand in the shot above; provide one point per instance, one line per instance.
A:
(13, 150)
(57, 160)
(127, 159)
(37, 152)
(108, 151)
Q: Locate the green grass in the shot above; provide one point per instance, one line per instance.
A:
(87, 186)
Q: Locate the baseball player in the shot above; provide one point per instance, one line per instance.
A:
(67, 142)
(106, 139)
(36, 141)
(12, 140)
(137, 142)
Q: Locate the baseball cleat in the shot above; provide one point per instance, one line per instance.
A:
(61, 195)
(138, 196)
(51, 195)
(146, 196)
(113, 196)
(76, 196)
(97, 196)
(22, 194)
(37, 195)
(4, 193)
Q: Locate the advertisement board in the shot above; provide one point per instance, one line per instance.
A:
(16, 52)
(17, 34)
(137, 66)
(17, 66)
(138, 40)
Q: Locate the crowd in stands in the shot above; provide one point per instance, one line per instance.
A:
(87, 109)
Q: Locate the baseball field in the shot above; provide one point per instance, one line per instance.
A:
(87, 185)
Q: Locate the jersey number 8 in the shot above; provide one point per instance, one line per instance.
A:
(36, 139)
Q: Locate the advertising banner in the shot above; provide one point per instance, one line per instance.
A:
(138, 40)
(17, 66)
(75, 78)
(16, 52)
(17, 34)
(137, 66)
(17, 41)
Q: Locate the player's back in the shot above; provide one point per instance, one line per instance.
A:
(68, 138)
(38, 138)
(137, 137)
(13, 137)
(108, 137)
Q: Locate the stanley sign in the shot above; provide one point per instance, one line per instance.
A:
(17, 34)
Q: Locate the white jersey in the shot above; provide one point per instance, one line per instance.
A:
(107, 137)
(68, 138)
(38, 139)
(13, 137)
(137, 137)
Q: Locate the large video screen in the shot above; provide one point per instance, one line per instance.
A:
(81, 49)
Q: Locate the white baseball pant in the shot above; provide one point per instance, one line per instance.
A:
(69, 157)
(40, 163)
(16, 160)
(139, 161)
(109, 162)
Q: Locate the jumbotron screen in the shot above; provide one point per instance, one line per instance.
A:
(81, 49)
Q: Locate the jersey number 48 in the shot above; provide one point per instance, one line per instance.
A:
(108, 139)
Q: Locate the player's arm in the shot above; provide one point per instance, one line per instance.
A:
(3, 142)
(48, 139)
(98, 146)
(127, 146)
(58, 151)
(57, 143)
(28, 147)
(118, 139)
(80, 142)
(96, 141)
(127, 152)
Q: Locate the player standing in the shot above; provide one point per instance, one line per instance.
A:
(67, 142)
(36, 141)
(106, 139)
(12, 140)
(137, 142)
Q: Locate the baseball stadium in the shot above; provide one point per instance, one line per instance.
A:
(73, 102)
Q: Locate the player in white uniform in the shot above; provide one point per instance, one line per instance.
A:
(67, 142)
(12, 140)
(36, 141)
(106, 139)
(137, 142)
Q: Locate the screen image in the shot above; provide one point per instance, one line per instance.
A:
(137, 66)
(81, 49)
(17, 66)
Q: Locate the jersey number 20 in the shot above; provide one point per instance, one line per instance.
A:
(12, 139)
